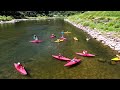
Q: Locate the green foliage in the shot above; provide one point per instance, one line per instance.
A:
(6, 18)
(9, 15)
(102, 20)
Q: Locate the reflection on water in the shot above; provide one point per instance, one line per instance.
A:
(37, 59)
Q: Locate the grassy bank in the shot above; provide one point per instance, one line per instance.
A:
(9, 18)
(101, 20)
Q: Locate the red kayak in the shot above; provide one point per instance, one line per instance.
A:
(72, 62)
(61, 58)
(62, 38)
(36, 41)
(52, 36)
(20, 69)
(87, 54)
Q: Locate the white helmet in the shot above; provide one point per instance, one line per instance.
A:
(19, 63)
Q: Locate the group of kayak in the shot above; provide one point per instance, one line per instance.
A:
(70, 62)
(73, 61)
(62, 38)
(21, 69)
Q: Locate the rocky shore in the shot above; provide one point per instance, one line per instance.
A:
(107, 38)
(16, 20)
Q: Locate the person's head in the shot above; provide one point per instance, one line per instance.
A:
(84, 51)
(59, 53)
(18, 63)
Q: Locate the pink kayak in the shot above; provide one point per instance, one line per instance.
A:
(72, 62)
(20, 69)
(62, 38)
(87, 55)
(52, 36)
(61, 58)
(36, 41)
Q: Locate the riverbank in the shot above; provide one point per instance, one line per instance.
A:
(107, 38)
(18, 20)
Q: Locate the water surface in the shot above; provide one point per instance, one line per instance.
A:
(38, 60)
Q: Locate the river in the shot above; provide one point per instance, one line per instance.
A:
(38, 60)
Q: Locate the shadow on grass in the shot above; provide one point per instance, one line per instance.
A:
(28, 73)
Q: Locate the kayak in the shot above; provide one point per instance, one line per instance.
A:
(61, 58)
(58, 40)
(67, 32)
(87, 55)
(115, 59)
(20, 69)
(75, 38)
(72, 62)
(62, 38)
(52, 36)
(36, 41)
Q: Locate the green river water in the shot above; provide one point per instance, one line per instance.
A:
(38, 60)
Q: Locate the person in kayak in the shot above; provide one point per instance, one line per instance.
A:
(53, 35)
(19, 65)
(62, 37)
(35, 37)
(73, 60)
(84, 52)
(59, 55)
(62, 33)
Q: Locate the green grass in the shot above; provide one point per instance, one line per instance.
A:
(101, 20)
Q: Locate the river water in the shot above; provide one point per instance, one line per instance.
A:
(38, 60)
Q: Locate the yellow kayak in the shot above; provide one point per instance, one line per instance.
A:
(58, 40)
(75, 38)
(67, 32)
(115, 59)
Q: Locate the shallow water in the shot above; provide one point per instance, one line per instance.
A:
(38, 60)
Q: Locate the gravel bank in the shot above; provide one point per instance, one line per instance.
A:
(107, 38)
